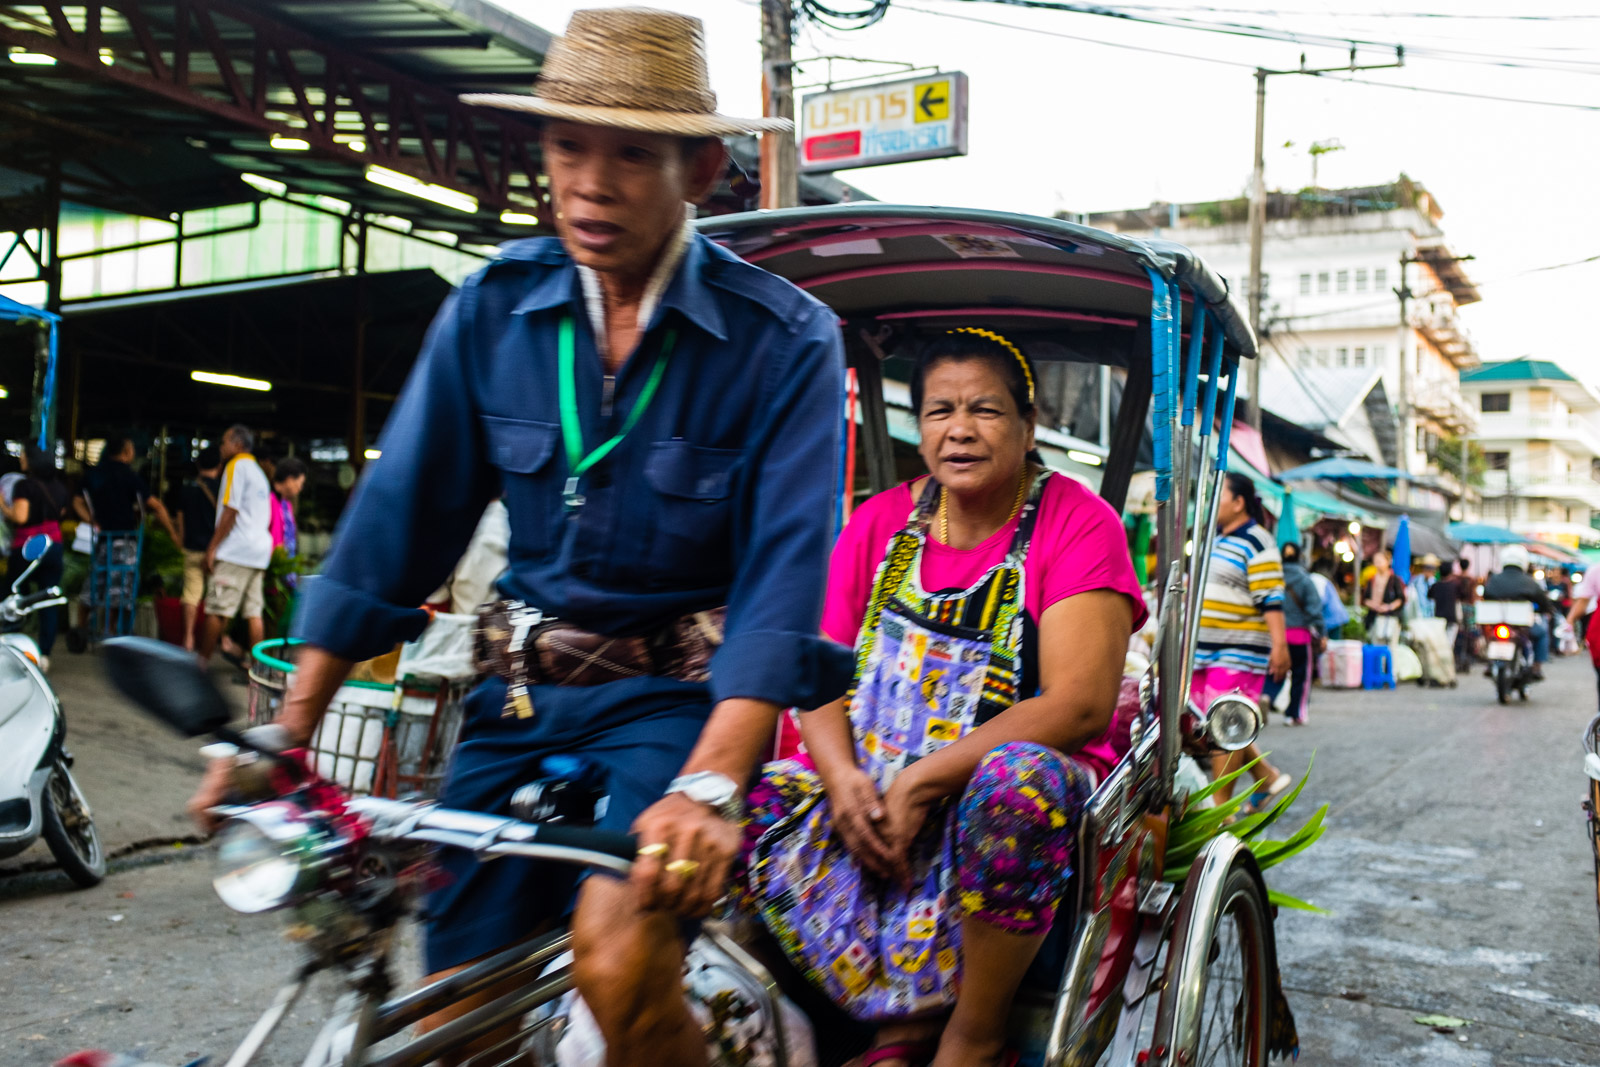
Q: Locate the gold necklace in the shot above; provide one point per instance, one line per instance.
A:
(944, 506)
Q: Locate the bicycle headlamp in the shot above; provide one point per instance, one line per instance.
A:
(268, 858)
(1232, 722)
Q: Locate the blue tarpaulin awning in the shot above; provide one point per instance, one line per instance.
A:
(1481, 533)
(1341, 469)
(43, 404)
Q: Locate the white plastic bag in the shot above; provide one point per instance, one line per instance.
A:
(443, 650)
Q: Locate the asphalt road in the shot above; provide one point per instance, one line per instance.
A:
(1455, 866)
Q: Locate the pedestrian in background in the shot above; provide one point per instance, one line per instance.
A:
(288, 482)
(1242, 632)
(34, 510)
(1385, 598)
(1305, 632)
(115, 497)
(1445, 597)
(1585, 595)
(1421, 585)
(240, 549)
(1334, 613)
(197, 521)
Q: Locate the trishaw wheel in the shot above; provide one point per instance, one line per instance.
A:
(1233, 999)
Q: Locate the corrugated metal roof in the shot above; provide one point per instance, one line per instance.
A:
(133, 134)
(1315, 397)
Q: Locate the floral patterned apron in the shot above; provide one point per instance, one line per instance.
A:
(929, 668)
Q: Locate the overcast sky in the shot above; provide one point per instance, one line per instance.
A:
(1070, 124)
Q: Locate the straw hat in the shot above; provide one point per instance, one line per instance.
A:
(631, 68)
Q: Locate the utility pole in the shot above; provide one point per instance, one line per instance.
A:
(1258, 224)
(1258, 202)
(780, 177)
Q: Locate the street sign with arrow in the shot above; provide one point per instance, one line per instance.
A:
(924, 117)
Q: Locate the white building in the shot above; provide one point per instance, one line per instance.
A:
(1332, 261)
(1539, 428)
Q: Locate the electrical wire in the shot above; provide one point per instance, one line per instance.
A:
(1272, 33)
(1365, 14)
(856, 18)
(1568, 105)
(1074, 37)
(1235, 63)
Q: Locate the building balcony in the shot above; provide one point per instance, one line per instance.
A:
(1442, 400)
(1520, 426)
(1577, 489)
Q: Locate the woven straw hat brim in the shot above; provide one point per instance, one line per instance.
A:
(676, 123)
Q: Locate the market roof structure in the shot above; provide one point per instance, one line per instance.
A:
(1526, 369)
(153, 108)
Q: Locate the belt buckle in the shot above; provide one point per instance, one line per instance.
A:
(522, 619)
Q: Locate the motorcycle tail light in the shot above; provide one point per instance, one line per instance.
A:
(1503, 632)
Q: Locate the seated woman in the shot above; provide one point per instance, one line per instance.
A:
(911, 862)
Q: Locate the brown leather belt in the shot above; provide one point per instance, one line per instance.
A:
(517, 643)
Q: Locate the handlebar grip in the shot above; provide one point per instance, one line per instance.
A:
(611, 842)
(39, 597)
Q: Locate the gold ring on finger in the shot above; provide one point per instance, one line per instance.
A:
(683, 868)
(657, 849)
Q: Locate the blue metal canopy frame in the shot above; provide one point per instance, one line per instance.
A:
(45, 402)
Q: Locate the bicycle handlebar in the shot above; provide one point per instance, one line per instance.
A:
(35, 599)
(497, 835)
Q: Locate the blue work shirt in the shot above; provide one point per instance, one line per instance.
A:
(722, 494)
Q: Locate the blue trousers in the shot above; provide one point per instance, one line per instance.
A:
(637, 732)
(1541, 641)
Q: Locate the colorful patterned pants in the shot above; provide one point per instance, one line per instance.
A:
(1001, 853)
(1015, 829)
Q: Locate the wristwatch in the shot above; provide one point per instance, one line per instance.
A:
(717, 791)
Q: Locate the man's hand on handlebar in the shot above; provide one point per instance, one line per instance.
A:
(213, 791)
(691, 873)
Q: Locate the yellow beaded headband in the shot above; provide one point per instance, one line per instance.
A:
(1022, 361)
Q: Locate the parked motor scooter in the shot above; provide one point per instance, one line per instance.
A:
(38, 795)
(1509, 647)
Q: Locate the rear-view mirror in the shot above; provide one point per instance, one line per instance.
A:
(168, 683)
(35, 546)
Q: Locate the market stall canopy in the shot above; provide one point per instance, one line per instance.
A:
(1481, 533)
(1425, 539)
(1555, 552)
(1339, 468)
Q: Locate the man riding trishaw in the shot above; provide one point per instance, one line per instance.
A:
(662, 419)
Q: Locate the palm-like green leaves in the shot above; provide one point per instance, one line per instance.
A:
(1199, 823)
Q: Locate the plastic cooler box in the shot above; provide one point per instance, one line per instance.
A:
(1341, 665)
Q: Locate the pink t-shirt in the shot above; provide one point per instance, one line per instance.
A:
(1078, 545)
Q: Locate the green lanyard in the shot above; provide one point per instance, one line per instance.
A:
(572, 431)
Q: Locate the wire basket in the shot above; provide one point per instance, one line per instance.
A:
(384, 740)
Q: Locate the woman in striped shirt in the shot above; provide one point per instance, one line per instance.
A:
(1242, 634)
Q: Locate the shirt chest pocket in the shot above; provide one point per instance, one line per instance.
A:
(693, 535)
(522, 450)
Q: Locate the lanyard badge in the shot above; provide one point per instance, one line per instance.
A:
(572, 430)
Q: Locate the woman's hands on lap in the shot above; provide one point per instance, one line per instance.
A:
(905, 810)
(858, 816)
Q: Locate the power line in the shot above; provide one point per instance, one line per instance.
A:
(1236, 64)
(1272, 33)
(1367, 14)
(1074, 37)
(1461, 93)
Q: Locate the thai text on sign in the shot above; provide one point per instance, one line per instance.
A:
(885, 122)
